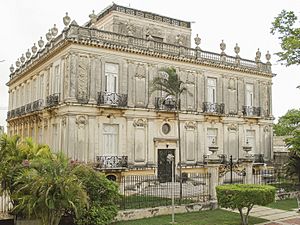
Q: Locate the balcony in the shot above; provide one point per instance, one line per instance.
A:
(112, 162)
(37, 105)
(112, 99)
(23, 110)
(52, 100)
(251, 111)
(28, 108)
(214, 108)
(165, 104)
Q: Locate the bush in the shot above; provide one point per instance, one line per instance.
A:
(239, 196)
(103, 196)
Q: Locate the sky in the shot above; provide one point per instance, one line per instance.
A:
(246, 22)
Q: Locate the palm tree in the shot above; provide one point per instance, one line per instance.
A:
(172, 86)
(48, 189)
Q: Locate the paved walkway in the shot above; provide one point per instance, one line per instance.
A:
(276, 216)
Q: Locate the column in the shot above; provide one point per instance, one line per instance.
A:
(213, 170)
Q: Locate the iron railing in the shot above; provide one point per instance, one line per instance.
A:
(22, 110)
(251, 111)
(37, 105)
(52, 100)
(112, 99)
(213, 108)
(145, 191)
(165, 103)
(28, 108)
(112, 162)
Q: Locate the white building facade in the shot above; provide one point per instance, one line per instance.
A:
(87, 93)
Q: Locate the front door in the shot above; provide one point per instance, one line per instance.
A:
(164, 170)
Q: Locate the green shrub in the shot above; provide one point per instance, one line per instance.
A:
(103, 196)
(239, 196)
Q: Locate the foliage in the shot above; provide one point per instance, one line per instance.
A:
(239, 196)
(103, 196)
(205, 217)
(48, 188)
(13, 154)
(169, 82)
(289, 36)
(287, 123)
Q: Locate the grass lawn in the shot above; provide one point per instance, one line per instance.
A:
(287, 204)
(210, 217)
(142, 201)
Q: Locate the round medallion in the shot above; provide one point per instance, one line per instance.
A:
(166, 128)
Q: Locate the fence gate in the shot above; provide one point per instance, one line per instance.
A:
(231, 172)
(164, 168)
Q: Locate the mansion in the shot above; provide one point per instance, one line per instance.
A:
(86, 91)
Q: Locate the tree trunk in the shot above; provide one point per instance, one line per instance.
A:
(244, 218)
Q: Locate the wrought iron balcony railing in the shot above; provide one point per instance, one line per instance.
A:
(52, 100)
(113, 99)
(213, 108)
(37, 105)
(23, 110)
(111, 162)
(28, 108)
(251, 111)
(165, 103)
(18, 111)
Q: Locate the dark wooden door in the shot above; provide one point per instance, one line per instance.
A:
(164, 168)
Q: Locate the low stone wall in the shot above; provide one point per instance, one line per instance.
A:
(135, 214)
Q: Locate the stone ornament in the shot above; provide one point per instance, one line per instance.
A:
(232, 127)
(22, 58)
(64, 121)
(222, 47)
(197, 40)
(93, 17)
(28, 54)
(258, 55)
(34, 49)
(179, 39)
(140, 71)
(54, 30)
(41, 42)
(49, 35)
(266, 129)
(268, 56)
(237, 50)
(190, 125)
(18, 64)
(66, 20)
(81, 121)
(11, 68)
(140, 123)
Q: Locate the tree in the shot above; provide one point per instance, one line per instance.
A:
(13, 154)
(287, 123)
(244, 196)
(171, 85)
(289, 36)
(48, 188)
(103, 195)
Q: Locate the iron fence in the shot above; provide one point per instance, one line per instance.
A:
(146, 191)
(213, 108)
(251, 111)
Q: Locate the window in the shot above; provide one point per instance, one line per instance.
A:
(250, 139)
(212, 90)
(41, 94)
(212, 136)
(111, 77)
(249, 95)
(110, 139)
(56, 78)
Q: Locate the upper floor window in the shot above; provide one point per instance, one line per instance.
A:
(111, 77)
(249, 94)
(110, 139)
(56, 78)
(212, 90)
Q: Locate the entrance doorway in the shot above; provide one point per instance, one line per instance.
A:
(164, 168)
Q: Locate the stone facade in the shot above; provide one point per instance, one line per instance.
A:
(87, 93)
